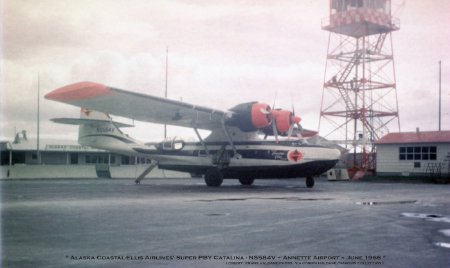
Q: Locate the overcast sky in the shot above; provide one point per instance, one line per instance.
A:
(221, 53)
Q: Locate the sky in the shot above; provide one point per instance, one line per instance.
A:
(221, 53)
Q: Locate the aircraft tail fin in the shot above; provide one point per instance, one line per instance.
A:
(98, 130)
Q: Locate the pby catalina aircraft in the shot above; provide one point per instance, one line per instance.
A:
(232, 150)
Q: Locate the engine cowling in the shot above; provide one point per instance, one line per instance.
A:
(251, 116)
(261, 116)
(284, 119)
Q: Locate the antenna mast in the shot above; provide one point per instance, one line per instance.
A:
(165, 91)
(440, 96)
(38, 154)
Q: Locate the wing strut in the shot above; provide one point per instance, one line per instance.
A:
(230, 140)
(153, 164)
(201, 140)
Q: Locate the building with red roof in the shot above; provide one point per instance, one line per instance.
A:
(414, 153)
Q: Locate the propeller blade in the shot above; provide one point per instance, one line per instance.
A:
(292, 104)
(291, 129)
(275, 99)
(275, 131)
(299, 133)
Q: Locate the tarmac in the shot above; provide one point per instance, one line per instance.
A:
(183, 223)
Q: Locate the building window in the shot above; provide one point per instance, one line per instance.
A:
(417, 153)
(73, 158)
(125, 160)
(425, 153)
(18, 157)
(96, 159)
(409, 153)
(433, 153)
(416, 164)
(402, 153)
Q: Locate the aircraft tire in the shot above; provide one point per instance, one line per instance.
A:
(310, 182)
(246, 181)
(213, 177)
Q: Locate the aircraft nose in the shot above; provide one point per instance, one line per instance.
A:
(337, 154)
(333, 154)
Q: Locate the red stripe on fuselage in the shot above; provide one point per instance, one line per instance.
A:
(78, 91)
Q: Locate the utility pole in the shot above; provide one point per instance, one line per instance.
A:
(439, 95)
(38, 154)
(165, 91)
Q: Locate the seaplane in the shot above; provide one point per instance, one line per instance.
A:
(236, 148)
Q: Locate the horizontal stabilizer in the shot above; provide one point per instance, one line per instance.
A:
(84, 121)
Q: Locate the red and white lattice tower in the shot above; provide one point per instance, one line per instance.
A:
(359, 99)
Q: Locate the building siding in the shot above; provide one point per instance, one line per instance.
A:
(388, 162)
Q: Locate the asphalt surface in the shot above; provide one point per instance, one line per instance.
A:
(182, 223)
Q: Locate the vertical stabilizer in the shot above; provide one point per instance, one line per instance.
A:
(98, 130)
(93, 115)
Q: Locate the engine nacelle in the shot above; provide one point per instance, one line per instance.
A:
(284, 119)
(251, 116)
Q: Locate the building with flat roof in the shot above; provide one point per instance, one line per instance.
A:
(414, 153)
(20, 159)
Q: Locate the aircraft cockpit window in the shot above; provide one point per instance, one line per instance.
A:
(299, 142)
(171, 145)
(178, 145)
(167, 145)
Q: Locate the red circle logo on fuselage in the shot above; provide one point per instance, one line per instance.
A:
(295, 155)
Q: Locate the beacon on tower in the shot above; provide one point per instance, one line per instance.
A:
(359, 98)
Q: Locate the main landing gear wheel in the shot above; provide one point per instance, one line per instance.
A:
(213, 177)
(310, 181)
(246, 181)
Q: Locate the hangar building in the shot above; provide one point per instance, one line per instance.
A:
(420, 153)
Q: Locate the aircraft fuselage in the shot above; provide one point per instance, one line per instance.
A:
(256, 159)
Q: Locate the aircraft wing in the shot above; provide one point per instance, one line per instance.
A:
(137, 106)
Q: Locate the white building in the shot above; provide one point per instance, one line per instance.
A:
(68, 159)
(413, 153)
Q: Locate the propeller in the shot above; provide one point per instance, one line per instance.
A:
(273, 123)
(295, 120)
(274, 119)
(282, 121)
(274, 129)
